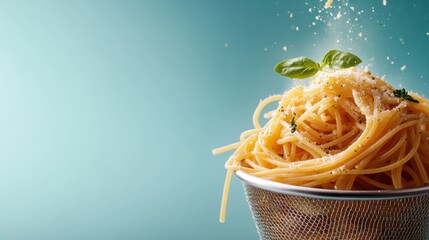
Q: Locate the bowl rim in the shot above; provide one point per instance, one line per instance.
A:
(330, 193)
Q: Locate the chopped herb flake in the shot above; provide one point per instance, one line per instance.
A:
(293, 124)
(403, 94)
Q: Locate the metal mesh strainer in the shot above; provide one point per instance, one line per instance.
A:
(282, 211)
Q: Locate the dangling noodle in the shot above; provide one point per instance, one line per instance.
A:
(352, 133)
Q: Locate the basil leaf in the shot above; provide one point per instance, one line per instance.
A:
(300, 67)
(336, 59)
(303, 67)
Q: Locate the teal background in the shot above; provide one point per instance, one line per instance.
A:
(109, 110)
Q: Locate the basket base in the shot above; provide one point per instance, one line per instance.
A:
(279, 216)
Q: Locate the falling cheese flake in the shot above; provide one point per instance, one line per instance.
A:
(403, 68)
(328, 3)
(339, 15)
(285, 48)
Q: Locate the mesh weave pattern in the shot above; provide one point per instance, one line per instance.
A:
(281, 216)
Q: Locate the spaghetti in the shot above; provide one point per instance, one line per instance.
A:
(346, 130)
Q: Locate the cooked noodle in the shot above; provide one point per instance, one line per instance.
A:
(352, 133)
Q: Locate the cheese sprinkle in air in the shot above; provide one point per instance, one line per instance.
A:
(328, 3)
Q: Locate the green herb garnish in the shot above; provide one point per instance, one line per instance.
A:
(300, 67)
(402, 94)
(293, 124)
(303, 67)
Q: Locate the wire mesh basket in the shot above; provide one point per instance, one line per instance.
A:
(282, 211)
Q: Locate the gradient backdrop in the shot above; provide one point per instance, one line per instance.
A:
(109, 110)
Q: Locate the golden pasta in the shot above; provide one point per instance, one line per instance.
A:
(346, 130)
